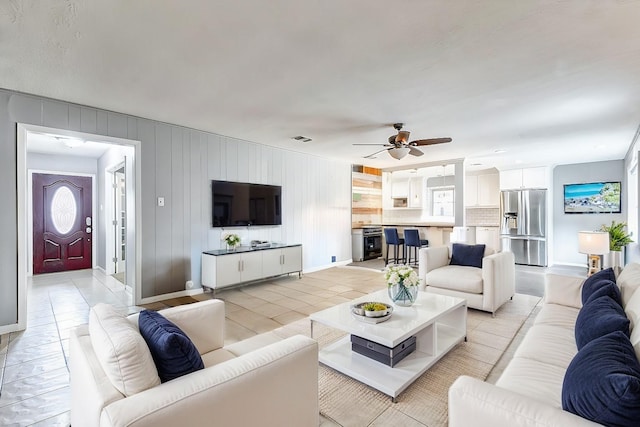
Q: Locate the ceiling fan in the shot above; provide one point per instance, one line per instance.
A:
(399, 144)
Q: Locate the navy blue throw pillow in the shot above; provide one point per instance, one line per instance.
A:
(598, 318)
(173, 352)
(467, 255)
(601, 288)
(602, 382)
(592, 282)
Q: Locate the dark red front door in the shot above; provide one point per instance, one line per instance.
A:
(62, 223)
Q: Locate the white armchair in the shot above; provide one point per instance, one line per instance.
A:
(485, 288)
(264, 380)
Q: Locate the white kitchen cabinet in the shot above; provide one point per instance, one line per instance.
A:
(416, 187)
(400, 188)
(221, 268)
(471, 190)
(516, 179)
(482, 190)
(489, 236)
(489, 189)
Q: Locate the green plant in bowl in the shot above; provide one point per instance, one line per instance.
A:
(375, 309)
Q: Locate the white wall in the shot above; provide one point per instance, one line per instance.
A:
(178, 164)
(566, 226)
(58, 163)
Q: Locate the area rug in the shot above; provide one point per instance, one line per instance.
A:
(347, 402)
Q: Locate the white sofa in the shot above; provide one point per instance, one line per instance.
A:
(485, 288)
(264, 380)
(529, 392)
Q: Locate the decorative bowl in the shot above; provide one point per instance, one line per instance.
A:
(361, 310)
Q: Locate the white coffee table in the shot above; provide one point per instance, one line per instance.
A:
(439, 323)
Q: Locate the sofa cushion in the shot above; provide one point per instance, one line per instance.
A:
(629, 281)
(457, 278)
(602, 382)
(632, 309)
(550, 344)
(467, 255)
(534, 379)
(598, 318)
(121, 351)
(557, 315)
(595, 281)
(173, 352)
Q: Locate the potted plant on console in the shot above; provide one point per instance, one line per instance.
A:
(618, 239)
(232, 240)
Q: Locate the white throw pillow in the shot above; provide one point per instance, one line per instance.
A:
(121, 351)
(628, 281)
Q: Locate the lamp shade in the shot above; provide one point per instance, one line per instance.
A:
(398, 153)
(593, 242)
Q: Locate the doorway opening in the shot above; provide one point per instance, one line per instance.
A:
(60, 152)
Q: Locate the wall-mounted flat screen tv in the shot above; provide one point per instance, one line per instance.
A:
(592, 197)
(243, 204)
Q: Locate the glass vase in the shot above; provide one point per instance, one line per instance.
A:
(402, 295)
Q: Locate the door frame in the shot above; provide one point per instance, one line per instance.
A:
(22, 183)
(109, 210)
(94, 236)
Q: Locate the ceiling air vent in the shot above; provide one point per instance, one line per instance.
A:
(301, 138)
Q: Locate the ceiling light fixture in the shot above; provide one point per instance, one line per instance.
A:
(398, 152)
(500, 151)
(70, 142)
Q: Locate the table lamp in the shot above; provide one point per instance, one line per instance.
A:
(594, 244)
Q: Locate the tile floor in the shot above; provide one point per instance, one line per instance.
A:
(34, 379)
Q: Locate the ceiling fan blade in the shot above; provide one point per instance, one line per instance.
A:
(415, 152)
(382, 145)
(430, 141)
(403, 136)
(371, 156)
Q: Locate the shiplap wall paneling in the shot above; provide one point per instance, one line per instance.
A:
(180, 272)
(147, 134)
(8, 216)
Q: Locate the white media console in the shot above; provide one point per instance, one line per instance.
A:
(222, 268)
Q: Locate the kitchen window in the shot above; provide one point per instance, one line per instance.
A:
(443, 201)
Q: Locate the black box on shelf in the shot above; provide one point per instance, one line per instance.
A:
(387, 355)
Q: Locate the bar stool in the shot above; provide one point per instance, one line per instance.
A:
(391, 237)
(412, 240)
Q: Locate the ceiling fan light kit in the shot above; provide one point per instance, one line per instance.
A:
(399, 145)
(398, 153)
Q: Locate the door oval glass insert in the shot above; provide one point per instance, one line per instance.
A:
(63, 210)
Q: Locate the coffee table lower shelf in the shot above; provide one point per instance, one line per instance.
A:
(388, 380)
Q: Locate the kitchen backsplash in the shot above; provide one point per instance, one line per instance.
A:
(483, 217)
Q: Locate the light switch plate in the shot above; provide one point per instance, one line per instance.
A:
(160, 201)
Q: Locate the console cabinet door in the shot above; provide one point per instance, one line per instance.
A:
(272, 262)
(228, 270)
(292, 259)
(251, 266)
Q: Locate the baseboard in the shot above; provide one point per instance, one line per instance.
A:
(178, 294)
(326, 266)
(15, 327)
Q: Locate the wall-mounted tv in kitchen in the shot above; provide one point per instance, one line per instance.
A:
(592, 197)
(241, 204)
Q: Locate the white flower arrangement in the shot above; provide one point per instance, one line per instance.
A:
(231, 239)
(404, 274)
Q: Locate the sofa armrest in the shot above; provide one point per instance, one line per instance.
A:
(280, 380)
(476, 403)
(430, 259)
(563, 290)
(203, 322)
(498, 279)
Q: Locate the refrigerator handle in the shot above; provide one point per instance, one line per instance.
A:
(521, 213)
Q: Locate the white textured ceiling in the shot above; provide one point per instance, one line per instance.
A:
(551, 82)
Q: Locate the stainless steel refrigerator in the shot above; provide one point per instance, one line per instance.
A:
(523, 229)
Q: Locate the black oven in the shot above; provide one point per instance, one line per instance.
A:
(372, 242)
